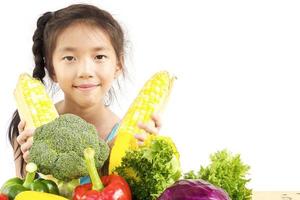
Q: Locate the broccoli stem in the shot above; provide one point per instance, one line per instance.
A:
(66, 188)
(31, 171)
(89, 155)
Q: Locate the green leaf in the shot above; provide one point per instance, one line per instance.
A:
(150, 169)
(228, 172)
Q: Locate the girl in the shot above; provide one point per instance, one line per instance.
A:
(81, 47)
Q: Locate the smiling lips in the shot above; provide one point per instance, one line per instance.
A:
(88, 86)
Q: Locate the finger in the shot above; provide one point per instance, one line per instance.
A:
(21, 126)
(26, 156)
(27, 145)
(148, 128)
(22, 138)
(140, 143)
(157, 120)
(141, 137)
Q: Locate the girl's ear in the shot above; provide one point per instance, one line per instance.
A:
(118, 72)
(119, 67)
(54, 78)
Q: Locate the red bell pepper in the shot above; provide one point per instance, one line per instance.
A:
(3, 197)
(112, 187)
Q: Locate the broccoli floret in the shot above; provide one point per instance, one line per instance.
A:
(58, 147)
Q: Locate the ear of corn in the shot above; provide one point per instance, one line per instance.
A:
(151, 99)
(33, 103)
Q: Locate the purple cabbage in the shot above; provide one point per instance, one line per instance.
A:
(196, 189)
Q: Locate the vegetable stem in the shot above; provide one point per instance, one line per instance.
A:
(31, 171)
(89, 155)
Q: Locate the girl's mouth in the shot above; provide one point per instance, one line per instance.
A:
(84, 87)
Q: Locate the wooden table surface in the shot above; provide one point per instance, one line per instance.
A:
(262, 195)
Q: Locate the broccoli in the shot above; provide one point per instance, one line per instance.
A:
(58, 147)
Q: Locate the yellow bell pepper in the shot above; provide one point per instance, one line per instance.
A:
(32, 195)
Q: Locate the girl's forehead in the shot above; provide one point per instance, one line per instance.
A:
(82, 35)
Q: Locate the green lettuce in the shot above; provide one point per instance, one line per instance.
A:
(226, 171)
(151, 168)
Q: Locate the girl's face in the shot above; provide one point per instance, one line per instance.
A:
(85, 64)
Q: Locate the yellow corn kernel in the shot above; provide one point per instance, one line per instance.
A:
(151, 99)
(33, 103)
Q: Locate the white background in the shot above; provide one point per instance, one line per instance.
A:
(237, 64)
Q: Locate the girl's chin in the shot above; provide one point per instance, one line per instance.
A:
(86, 103)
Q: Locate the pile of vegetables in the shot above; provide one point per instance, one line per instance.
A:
(226, 171)
(151, 171)
(151, 168)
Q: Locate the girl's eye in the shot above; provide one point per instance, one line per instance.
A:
(69, 58)
(100, 57)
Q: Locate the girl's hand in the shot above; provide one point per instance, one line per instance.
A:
(25, 140)
(151, 128)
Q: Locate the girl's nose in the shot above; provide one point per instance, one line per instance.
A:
(85, 69)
